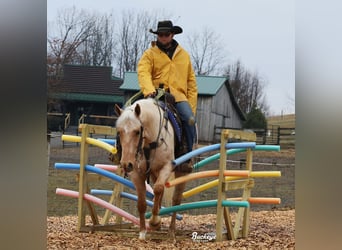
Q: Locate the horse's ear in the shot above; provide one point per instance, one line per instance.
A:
(137, 110)
(118, 110)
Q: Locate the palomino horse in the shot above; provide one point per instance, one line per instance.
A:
(142, 127)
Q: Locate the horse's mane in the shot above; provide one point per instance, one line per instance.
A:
(148, 112)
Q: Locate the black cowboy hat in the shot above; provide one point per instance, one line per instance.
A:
(167, 26)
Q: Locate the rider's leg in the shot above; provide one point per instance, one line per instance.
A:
(187, 118)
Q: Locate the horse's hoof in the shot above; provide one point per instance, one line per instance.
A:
(142, 235)
(155, 225)
(172, 235)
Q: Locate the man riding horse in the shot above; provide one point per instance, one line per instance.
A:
(146, 141)
(167, 63)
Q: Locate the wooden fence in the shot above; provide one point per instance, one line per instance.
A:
(98, 120)
(58, 121)
(274, 135)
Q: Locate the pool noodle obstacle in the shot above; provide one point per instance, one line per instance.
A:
(114, 168)
(259, 200)
(209, 148)
(92, 141)
(242, 220)
(101, 203)
(128, 196)
(226, 183)
(89, 168)
(235, 151)
(199, 204)
(205, 174)
(107, 167)
(83, 168)
(214, 183)
(226, 180)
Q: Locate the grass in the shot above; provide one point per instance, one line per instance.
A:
(283, 121)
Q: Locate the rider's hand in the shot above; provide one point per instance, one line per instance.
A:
(151, 95)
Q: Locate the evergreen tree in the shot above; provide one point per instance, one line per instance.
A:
(255, 119)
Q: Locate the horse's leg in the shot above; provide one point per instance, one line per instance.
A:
(139, 183)
(158, 190)
(176, 200)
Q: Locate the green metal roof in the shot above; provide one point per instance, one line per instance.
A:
(207, 85)
(88, 97)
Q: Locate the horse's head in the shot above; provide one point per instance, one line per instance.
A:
(129, 129)
(144, 133)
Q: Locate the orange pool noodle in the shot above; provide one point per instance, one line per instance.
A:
(204, 174)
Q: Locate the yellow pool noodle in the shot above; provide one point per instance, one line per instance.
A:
(211, 184)
(92, 141)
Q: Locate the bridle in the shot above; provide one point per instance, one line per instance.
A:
(146, 149)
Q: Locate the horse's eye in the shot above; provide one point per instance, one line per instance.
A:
(137, 132)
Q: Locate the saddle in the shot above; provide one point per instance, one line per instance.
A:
(167, 102)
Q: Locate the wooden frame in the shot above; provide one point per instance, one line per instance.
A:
(84, 177)
(247, 184)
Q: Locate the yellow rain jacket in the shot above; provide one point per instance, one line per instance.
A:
(177, 75)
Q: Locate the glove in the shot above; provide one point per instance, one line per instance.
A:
(151, 95)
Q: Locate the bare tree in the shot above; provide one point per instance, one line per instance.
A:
(80, 37)
(247, 88)
(98, 49)
(291, 100)
(133, 39)
(206, 51)
(72, 29)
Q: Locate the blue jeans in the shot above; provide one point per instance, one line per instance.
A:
(185, 114)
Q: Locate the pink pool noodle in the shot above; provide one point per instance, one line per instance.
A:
(107, 167)
(101, 203)
(149, 188)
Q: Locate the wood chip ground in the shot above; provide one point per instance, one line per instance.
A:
(273, 229)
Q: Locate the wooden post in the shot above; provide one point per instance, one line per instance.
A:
(83, 182)
(116, 200)
(223, 212)
(220, 189)
(83, 178)
(247, 194)
(243, 213)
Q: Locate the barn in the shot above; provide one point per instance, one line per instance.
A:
(87, 90)
(216, 105)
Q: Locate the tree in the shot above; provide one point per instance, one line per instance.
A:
(98, 49)
(255, 119)
(133, 39)
(206, 52)
(247, 87)
(72, 29)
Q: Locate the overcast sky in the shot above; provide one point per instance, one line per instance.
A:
(258, 32)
